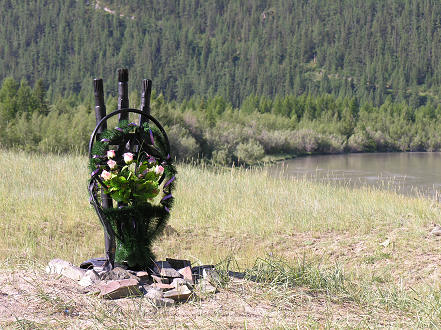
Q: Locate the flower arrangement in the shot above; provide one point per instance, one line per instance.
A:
(131, 164)
(133, 182)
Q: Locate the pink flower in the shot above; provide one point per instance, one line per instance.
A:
(159, 169)
(106, 175)
(128, 157)
(112, 164)
(111, 154)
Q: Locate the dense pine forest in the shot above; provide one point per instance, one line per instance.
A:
(234, 80)
(364, 48)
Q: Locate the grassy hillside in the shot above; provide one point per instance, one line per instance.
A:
(307, 245)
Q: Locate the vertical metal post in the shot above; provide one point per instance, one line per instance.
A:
(100, 112)
(123, 92)
(145, 99)
(123, 101)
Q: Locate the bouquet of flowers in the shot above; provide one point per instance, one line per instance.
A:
(133, 182)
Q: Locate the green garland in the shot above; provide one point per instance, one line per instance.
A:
(136, 226)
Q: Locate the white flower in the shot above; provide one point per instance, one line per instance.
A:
(159, 169)
(128, 157)
(112, 164)
(106, 175)
(111, 154)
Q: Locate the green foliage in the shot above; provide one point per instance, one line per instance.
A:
(136, 228)
(288, 125)
(250, 152)
(228, 50)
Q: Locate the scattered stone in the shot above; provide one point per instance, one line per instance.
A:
(118, 273)
(162, 302)
(163, 268)
(174, 280)
(436, 231)
(178, 282)
(181, 294)
(65, 268)
(56, 266)
(120, 289)
(158, 279)
(205, 287)
(85, 281)
(211, 276)
(197, 271)
(143, 276)
(187, 274)
(153, 293)
(162, 286)
(178, 263)
(89, 278)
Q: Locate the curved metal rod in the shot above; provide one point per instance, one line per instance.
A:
(127, 110)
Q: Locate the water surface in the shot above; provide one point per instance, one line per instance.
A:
(411, 173)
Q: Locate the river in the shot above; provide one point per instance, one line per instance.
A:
(410, 173)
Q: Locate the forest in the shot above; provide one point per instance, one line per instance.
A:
(235, 81)
(363, 48)
(262, 129)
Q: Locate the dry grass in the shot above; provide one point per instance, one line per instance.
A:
(334, 271)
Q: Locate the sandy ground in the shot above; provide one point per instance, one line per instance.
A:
(34, 299)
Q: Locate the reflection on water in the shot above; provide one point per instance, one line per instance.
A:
(416, 173)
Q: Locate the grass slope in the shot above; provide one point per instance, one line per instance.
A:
(311, 251)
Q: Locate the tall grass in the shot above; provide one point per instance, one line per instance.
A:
(328, 237)
(45, 210)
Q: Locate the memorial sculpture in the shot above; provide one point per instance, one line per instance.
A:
(132, 179)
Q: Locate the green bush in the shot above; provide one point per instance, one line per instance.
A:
(250, 152)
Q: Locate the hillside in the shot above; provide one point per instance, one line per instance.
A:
(368, 49)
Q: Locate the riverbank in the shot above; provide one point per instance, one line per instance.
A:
(350, 257)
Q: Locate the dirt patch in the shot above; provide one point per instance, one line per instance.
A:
(34, 299)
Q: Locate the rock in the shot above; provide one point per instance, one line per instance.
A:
(89, 278)
(56, 266)
(92, 274)
(153, 293)
(65, 268)
(118, 273)
(162, 302)
(178, 263)
(163, 268)
(436, 231)
(143, 276)
(178, 282)
(162, 286)
(205, 287)
(197, 271)
(187, 274)
(85, 282)
(181, 294)
(211, 276)
(119, 289)
(159, 279)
